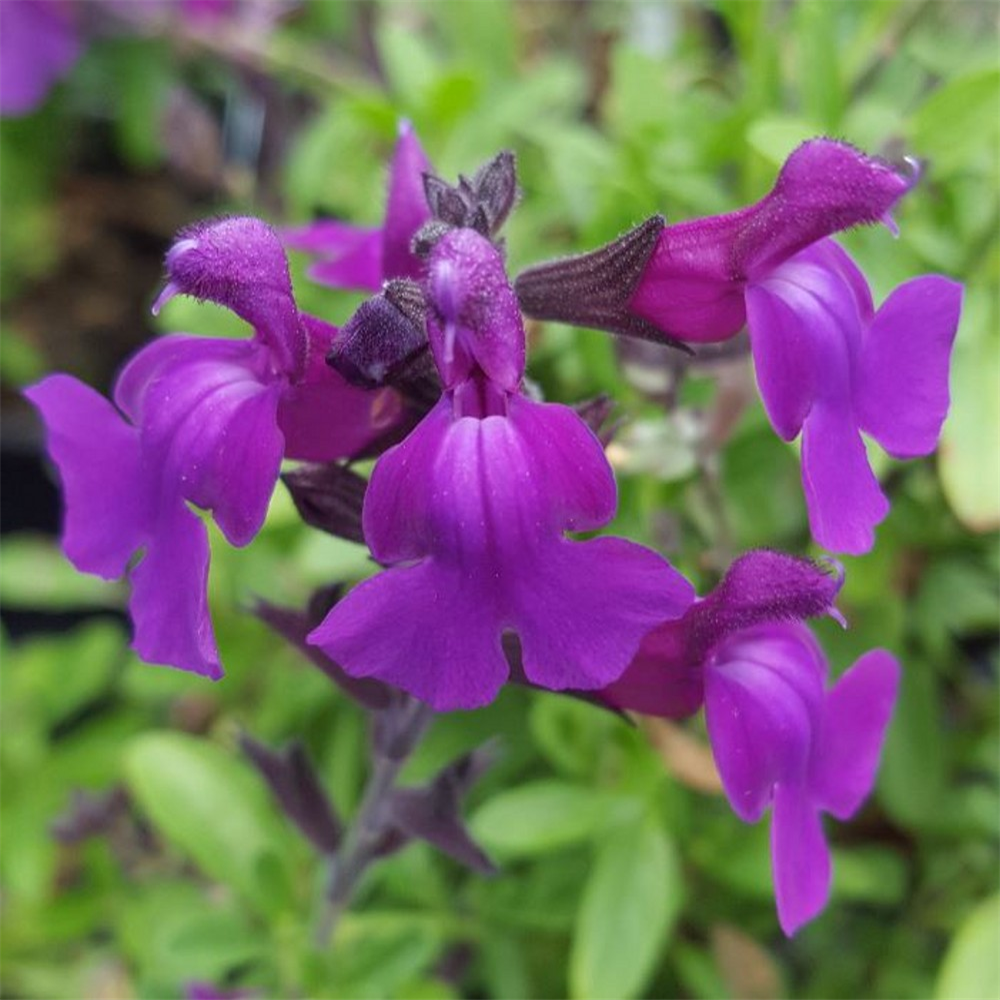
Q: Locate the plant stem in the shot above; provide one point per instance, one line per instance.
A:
(371, 823)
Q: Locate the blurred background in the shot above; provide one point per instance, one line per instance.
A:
(624, 872)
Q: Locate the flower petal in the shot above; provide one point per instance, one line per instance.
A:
(660, 680)
(473, 320)
(854, 722)
(759, 587)
(484, 504)
(406, 209)
(97, 454)
(806, 320)
(763, 693)
(816, 304)
(350, 256)
(693, 285)
(902, 392)
(577, 634)
(169, 605)
(209, 425)
(539, 469)
(324, 418)
(689, 289)
(783, 360)
(428, 629)
(825, 186)
(843, 496)
(239, 263)
(800, 858)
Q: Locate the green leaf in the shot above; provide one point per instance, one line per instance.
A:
(775, 136)
(409, 62)
(819, 62)
(484, 33)
(35, 574)
(540, 816)
(913, 776)
(20, 360)
(541, 897)
(873, 875)
(209, 805)
(53, 677)
(957, 596)
(969, 453)
(757, 464)
(376, 954)
(971, 970)
(142, 75)
(958, 121)
(569, 733)
(172, 933)
(630, 903)
(504, 967)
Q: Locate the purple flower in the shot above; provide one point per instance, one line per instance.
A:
(39, 45)
(781, 740)
(779, 737)
(470, 514)
(363, 257)
(831, 366)
(827, 363)
(695, 283)
(666, 678)
(199, 421)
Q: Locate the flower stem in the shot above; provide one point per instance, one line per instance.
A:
(372, 822)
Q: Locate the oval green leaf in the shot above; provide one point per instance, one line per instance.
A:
(210, 807)
(630, 904)
(971, 970)
(539, 817)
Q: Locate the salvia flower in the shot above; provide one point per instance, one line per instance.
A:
(470, 514)
(363, 257)
(199, 421)
(827, 363)
(780, 737)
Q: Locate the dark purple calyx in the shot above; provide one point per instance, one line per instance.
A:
(481, 202)
(298, 790)
(385, 343)
(595, 289)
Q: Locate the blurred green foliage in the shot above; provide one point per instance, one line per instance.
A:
(621, 876)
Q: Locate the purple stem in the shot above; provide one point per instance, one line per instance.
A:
(364, 836)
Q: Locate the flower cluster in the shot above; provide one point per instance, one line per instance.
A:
(480, 485)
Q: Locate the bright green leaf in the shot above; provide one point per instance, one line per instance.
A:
(540, 816)
(969, 453)
(632, 898)
(971, 967)
(35, 574)
(208, 804)
(958, 121)
(913, 775)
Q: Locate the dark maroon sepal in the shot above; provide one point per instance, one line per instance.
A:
(298, 791)
(328, 496)
(594, 289)
(482, 202)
